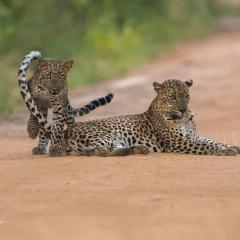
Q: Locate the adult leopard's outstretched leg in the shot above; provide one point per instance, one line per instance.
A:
(197, 145)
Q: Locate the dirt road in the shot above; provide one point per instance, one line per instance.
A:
(159, 196)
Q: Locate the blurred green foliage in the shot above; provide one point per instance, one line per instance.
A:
(105, 38)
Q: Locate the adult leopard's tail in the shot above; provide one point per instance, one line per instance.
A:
(92, 105)
(24, 90)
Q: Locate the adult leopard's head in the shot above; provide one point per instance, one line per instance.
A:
(173, 94)
(53, 75)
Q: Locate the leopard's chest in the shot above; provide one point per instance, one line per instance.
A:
(186, 127)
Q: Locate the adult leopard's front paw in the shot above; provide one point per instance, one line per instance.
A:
(56, 152)
(227, 152)
(235, 147)
(38, 151)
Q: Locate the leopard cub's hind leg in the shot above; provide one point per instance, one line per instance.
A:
(32, 127)
(42, 144)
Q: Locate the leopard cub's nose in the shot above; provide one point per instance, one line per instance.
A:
(54, 91)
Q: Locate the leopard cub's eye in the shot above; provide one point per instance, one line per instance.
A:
(40, 87)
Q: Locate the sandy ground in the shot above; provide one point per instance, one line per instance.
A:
(159, 196)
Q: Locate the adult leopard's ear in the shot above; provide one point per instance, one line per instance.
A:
(189, 82)
(41, 63)
(157, 87)
(67, 65)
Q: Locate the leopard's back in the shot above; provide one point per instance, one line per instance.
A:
(116, 132)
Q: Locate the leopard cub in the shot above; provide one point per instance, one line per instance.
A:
(50, 78)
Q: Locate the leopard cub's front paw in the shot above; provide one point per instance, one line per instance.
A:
(38, 151)
(56, 152)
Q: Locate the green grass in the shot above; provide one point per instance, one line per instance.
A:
(9, 95)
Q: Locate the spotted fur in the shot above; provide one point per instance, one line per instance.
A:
(48, 79)
(167, 126)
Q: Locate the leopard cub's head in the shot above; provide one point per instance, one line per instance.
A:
(53, 74)
(173, 94)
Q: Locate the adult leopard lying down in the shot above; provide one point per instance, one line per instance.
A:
(167, 126)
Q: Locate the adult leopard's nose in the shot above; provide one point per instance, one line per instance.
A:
(183, 109)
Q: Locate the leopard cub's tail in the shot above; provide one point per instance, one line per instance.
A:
(91, 105)
(25, 92)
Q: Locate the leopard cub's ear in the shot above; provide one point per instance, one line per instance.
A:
(157, 87)
(67, 65)
(189, 82)
(41, 62)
